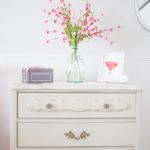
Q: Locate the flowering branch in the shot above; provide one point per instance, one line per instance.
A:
(75, 31)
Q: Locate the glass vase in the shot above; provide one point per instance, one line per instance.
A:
(75, 68)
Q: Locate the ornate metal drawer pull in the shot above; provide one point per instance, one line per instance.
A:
(71, 135)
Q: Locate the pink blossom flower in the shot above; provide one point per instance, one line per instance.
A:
(92, 29)
(95, 33)
(55, 21)
(87, 8)
(47, 41)
(53, 10)
(65, 39)
(87, 23)
(47, 32)
(111, 29)
(84, 23)
(100, 36)
(87, 4)
(83, 32)
(62, 1)
(91, 18)
(60, 13)
(91, 23)
(54, 31)
(49, 13)
(56, 15)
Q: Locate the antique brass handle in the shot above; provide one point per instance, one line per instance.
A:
(71, 135)
(49, 106)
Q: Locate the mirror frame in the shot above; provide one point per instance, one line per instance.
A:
(140, 17)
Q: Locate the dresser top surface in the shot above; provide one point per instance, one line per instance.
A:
(75, 86)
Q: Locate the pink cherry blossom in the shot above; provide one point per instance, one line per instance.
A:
(47, 32)
(62, 1)
(65, 39)
(91, 23)
(60, 13)
(56, 15)
(46, 21)
(91, 18)
(49, 13)
(54, 31)
(86, 26)
(55, 21)
(47, 41)
(87, 8)
(92, 29)
(111, 29)
(53, 10)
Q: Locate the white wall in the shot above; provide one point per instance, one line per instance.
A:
(22, 28)
(22, 33)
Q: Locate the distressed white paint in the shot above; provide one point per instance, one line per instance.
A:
(101, 130)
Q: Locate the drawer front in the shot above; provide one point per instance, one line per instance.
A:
(99, 148)
(76, 105)
(82, 134)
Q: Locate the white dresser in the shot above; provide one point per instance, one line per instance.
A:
(88, 116)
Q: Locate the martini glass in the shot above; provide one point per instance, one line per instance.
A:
(111, 65)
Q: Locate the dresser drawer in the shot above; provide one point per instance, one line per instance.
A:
(76, 105)
(84, 134)
(89, 148)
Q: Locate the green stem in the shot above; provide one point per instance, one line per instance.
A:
(74, 59)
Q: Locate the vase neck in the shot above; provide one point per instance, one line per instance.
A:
(75, 52)
(75, 49)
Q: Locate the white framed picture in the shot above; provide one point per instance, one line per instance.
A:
(112, 67)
